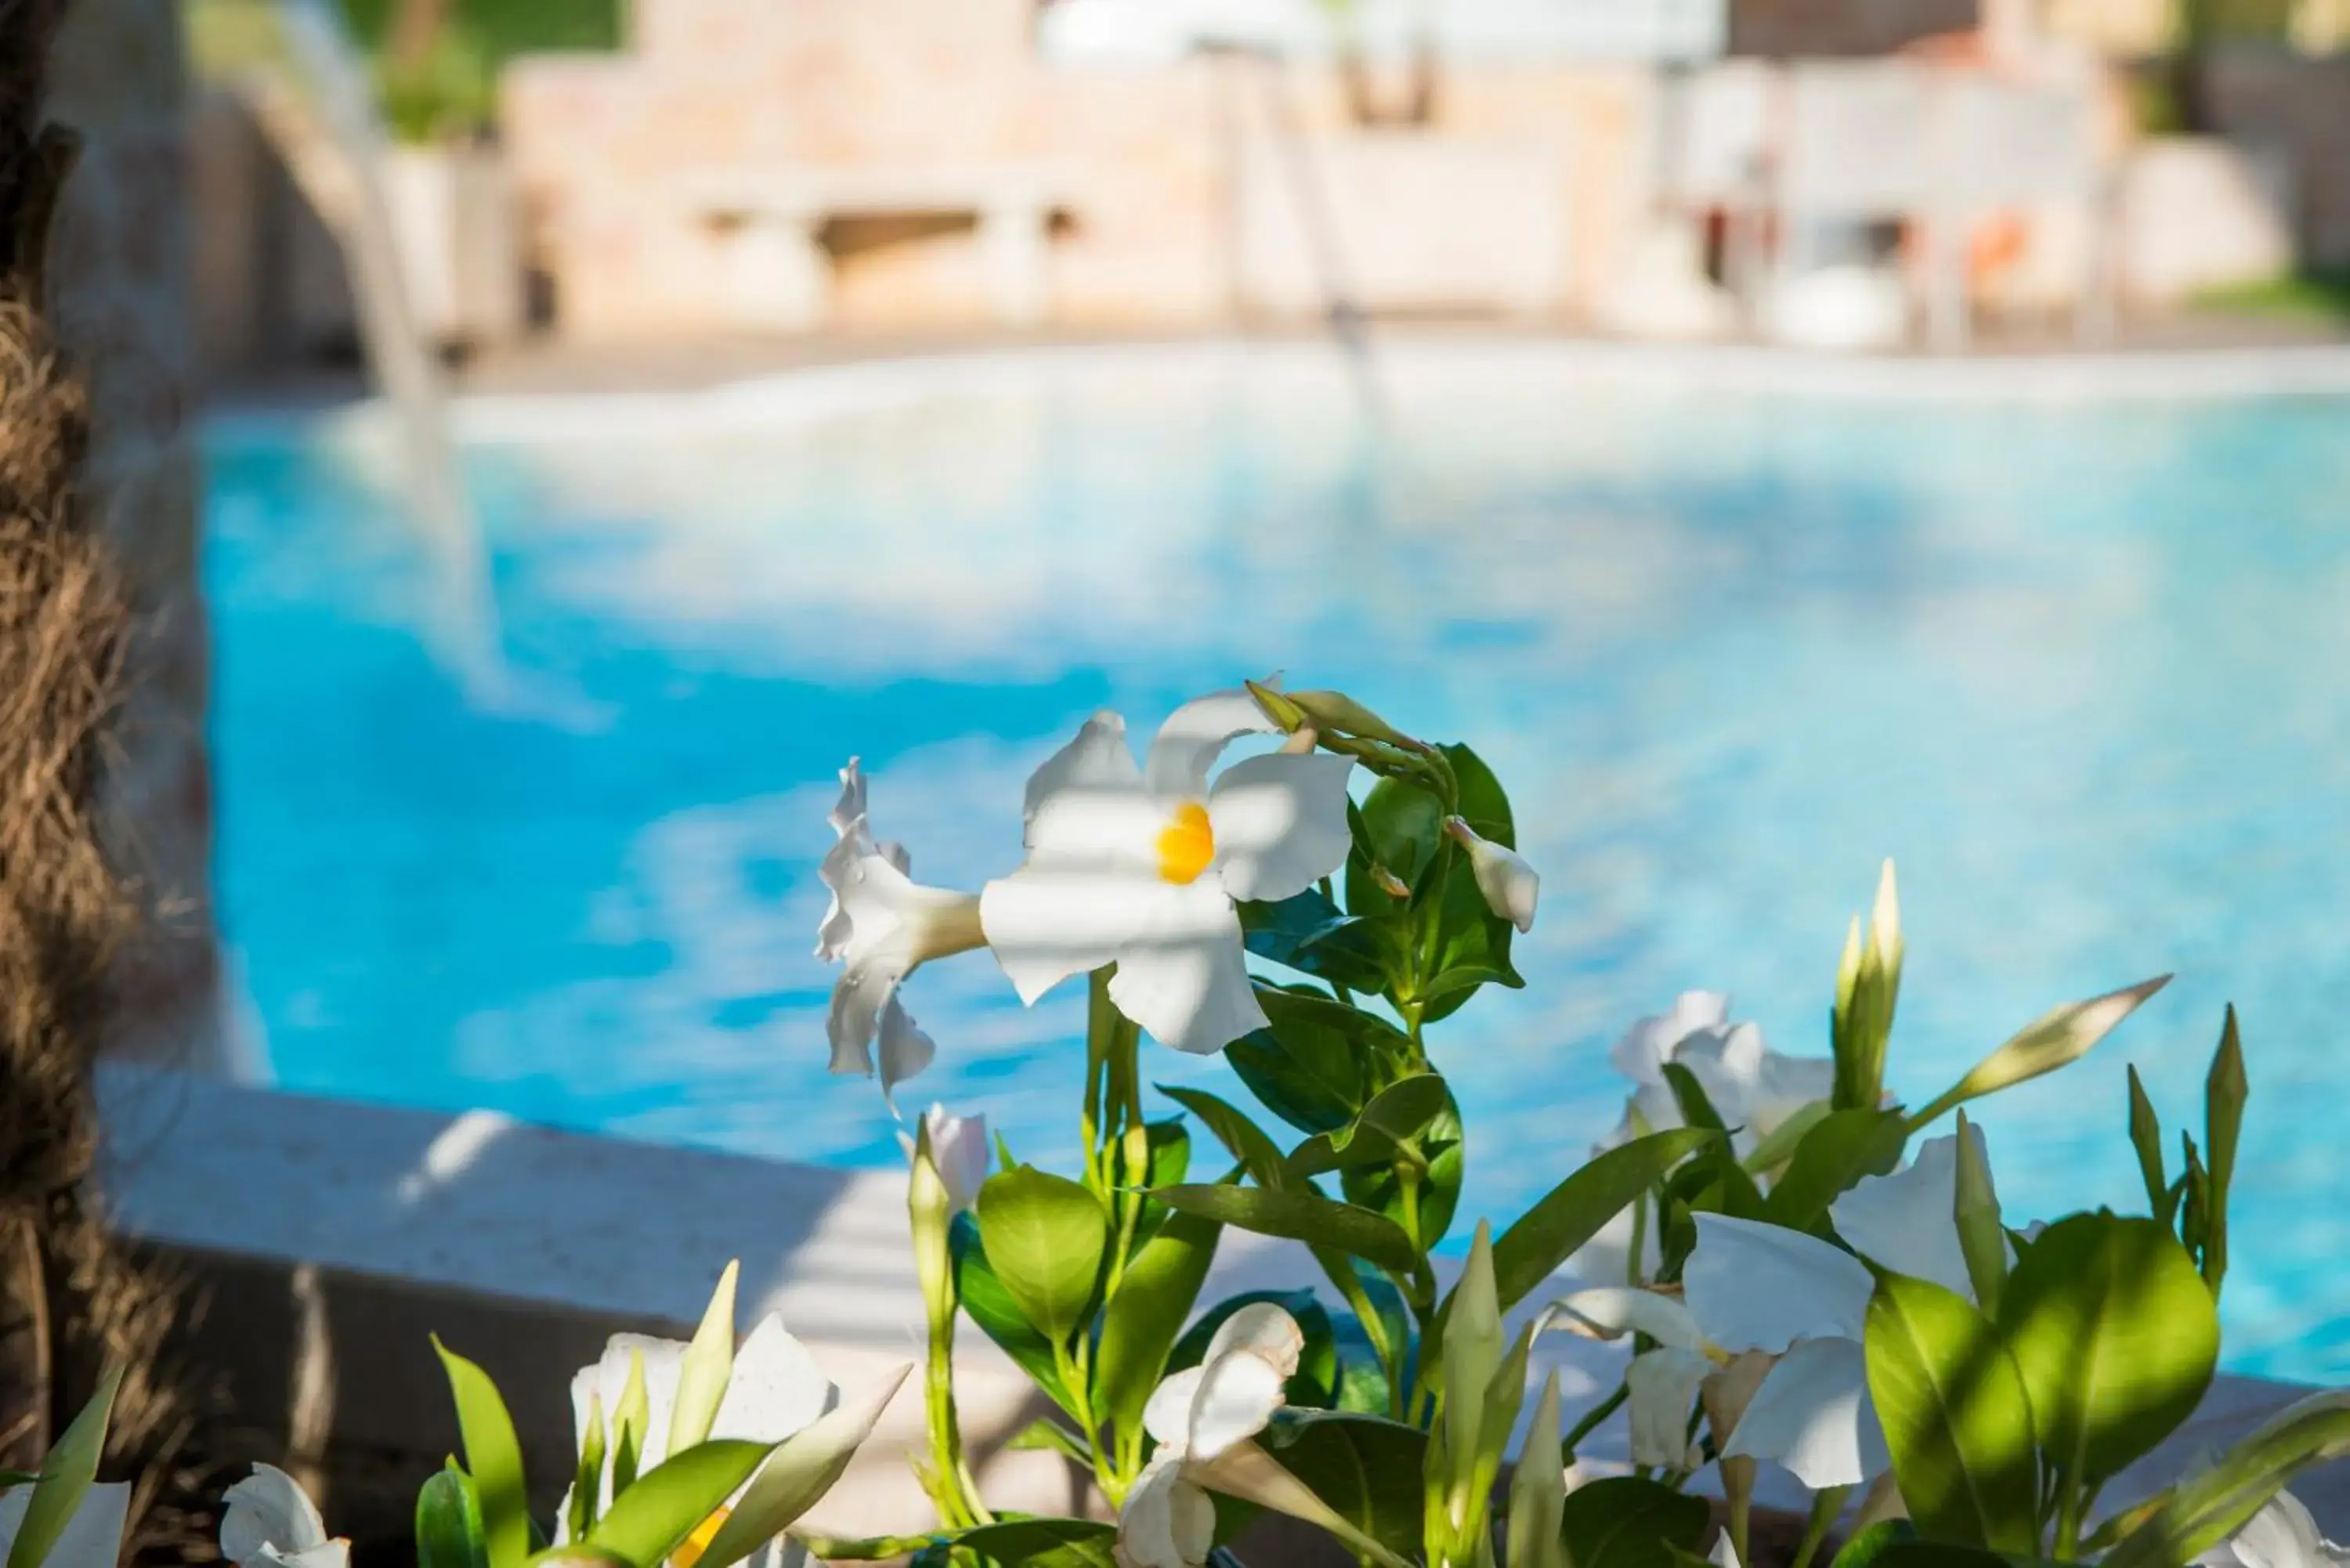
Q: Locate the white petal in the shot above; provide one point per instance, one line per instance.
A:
(1194, 735)
(1168, 1522)
(776, 1388)
(1752, 1286)
(1608, 1256)
(1814, 1415)
(1610, 1312)
(905, 1049)
(1077, 826)
(93, 1535)
(1045, 926)
(328, 1554)
(959, 1150)
(663, 1360)
(850, 807)
(1648, 1045)
(1167, 1417)
(1512, 887)
(1260, 1329)
(1098, 761)
(1725, 1552)
(1905, 1221)
(268, 1509)
(1663, 1388)
(859, 999)
(2284, 1535)
(1185, 978)
(1280, 823)
(1236, 1397)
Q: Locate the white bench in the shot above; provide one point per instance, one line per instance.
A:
(779, 275)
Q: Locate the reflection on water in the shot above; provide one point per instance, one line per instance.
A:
(2078, 668)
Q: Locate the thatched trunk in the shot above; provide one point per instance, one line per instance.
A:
(71, 1302)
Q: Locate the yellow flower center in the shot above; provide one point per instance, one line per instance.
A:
(1187, 844)
(695, 1545)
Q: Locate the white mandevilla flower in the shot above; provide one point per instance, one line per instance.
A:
(1753, 1286)
(1203, 1420)
(93, 1534)
(1755, 1088)
(775, 1390)
(270, 1523)
(1140, 866)
(881, 927)
(1511, 886)
(958, 1152)
(2281, 1535)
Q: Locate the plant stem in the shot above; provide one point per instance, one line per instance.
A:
(1590, 1422)
(2072, 1510)
(1741, 1511)
(1826, 1503)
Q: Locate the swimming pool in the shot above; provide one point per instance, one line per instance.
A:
(2078, 664)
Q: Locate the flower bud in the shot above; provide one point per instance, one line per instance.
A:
(956, 1149)
(1509, 884)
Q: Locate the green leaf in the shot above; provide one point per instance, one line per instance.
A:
(449, 1523)
(65, 1477)
(1365, 1468)
(1309, 1065)
(2212, 1505)
(1472, 1349)
(795, 1474)
(990, 1305)
(1697, 1110)
(1775, 1148)
(1246, 1141)
(493, 1458)
(1317, 1360)
(1562, 1220)
(1955, 1416)
(1300, 1216)
(2146, 1137)
(2059, 1036)
(632, 1419)
(2224, 1093)
(1624, 1521)
(1045, 1236)
(578, 1555)
(703, 1371)
(1845, 1146)
(1142, 1320)
(661, 1508)
(1395, 1114)
(2116, 1338)
(1538, 1491)
(1171, 1151)
(1869, 1544)
(588, 1479)
(1380, 1186)
(1471, 945)
(1043, 1542)
(1044, 1435)
(1308, 933)
(1982, 1239)
(1402, 827)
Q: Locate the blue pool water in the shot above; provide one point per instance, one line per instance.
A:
(2080, 667)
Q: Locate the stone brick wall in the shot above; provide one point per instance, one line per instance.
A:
(120, 268)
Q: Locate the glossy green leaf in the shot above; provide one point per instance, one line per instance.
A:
(1365, 1468)
(1171, 1151)
(1300, 1216)
(1316, 1378)
(65, 1477)
(1696, 1107)
(1247, 1142)
(1315, 1062)
(1045, 1435)
(2209, 1507)
(1045, 1236)
(1396, 1112)
(1570, 1214)
(990, 1305)
(449, 1532)
(1835, 1155)
(1042, 1543)
(1379, 1185)
(1143, 1319)
(2225, 1090)
(493, 1458)
(1955, 1414)
(1402, 825)
(1869, 1544)
(1471, 946)
(1624, 1521)
(2116, 1335)
(796, 1473)
(1309, 934)
(661, 1508)
(707, 1365)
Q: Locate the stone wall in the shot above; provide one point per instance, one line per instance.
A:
(1153, 167)
(120, 268)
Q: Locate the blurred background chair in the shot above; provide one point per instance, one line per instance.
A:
(1855, 167)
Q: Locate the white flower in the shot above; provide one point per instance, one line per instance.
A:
(1140, 866)
(2281, 1535)
(1648, 1045)
(1202, 1420)
(881, 927)
(94, 1533)
(1753, 1087)
(958, 1152)
(1509, 884)
(1662, 1385)
(775, 1390)
(272, 1522)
